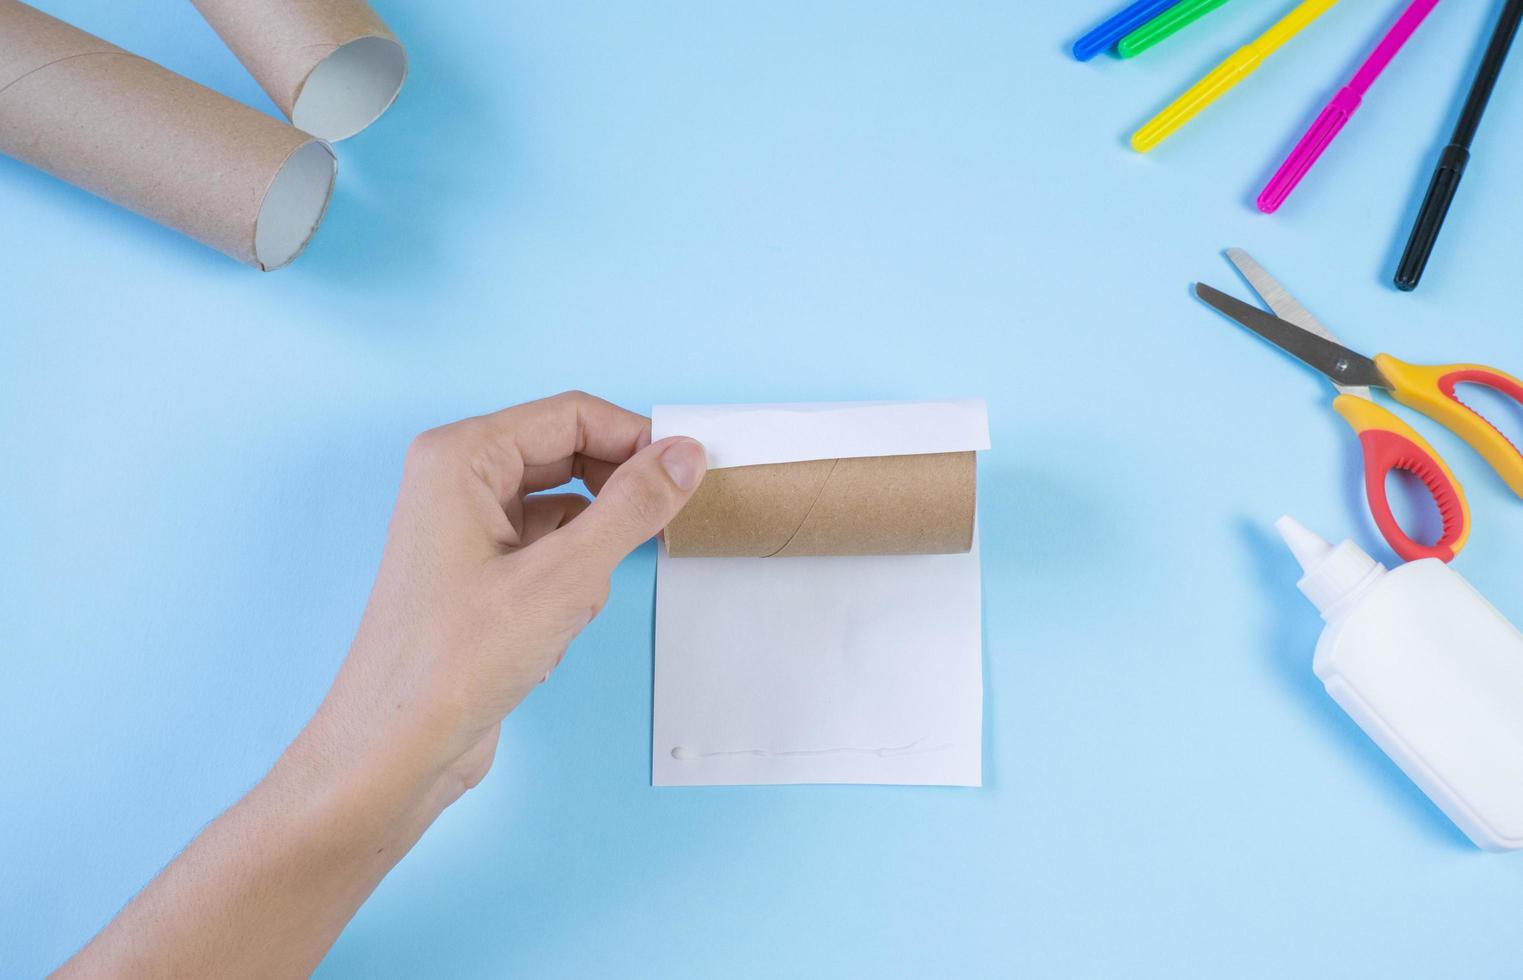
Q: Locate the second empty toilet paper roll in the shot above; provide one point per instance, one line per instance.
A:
(874, 505)
(332, 66)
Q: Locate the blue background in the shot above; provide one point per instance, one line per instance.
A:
(791, 200)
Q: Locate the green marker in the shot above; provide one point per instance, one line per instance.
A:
(1176, 17)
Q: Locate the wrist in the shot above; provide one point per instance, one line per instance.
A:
(375, 796)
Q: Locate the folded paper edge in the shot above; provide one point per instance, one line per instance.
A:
(740, 435)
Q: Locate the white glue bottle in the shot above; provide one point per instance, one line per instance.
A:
(1430, 671)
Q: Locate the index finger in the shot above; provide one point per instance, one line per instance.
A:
(563, 426)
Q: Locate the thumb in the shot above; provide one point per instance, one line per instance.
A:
(639, 499)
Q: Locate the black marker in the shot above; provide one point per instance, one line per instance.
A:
(1451, 163)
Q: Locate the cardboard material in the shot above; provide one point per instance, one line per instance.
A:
(157, 143)
(878, 505)
(332, 66)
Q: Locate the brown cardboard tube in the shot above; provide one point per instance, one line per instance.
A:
(157, 143)
(332, 66)
(873, 505)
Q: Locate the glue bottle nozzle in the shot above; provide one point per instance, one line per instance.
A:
(1307, 545)
(1330, 574)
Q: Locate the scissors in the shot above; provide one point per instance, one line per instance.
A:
(1388, 443)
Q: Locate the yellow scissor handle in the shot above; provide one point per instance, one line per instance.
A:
(1429, 388)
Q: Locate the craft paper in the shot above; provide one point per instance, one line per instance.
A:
(152, 141)
(332, 66)
(862, 669)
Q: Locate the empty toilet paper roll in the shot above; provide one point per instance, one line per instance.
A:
(872, 505)
(139, 135)
(332, 66)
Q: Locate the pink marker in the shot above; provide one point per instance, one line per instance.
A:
(1343, 106)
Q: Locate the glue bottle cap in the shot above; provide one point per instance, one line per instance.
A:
(1331, 574)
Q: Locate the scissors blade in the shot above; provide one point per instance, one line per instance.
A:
(1286, 306)
(1343, 367)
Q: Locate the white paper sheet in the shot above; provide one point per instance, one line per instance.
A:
(820, 670)
(750, 435)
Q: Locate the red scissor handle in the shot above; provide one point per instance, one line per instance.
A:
(1429, 388)
(1390, 444)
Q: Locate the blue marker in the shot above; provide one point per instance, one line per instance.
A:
(1120, 25)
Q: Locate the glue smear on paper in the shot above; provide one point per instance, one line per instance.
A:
(818, 670)
(684, 754)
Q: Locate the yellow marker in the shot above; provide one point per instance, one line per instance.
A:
(1227, 74)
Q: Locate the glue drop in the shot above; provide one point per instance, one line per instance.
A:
(1430, 671)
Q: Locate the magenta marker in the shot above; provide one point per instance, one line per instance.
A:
(1344, 105)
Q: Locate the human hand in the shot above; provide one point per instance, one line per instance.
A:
(485, 581)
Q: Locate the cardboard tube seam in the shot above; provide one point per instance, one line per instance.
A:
(819, 494)
(68, 57)
(910, 504)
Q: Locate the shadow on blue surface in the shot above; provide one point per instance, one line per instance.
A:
(395, 209)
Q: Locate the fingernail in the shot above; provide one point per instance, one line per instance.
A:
(644, 440)
(684, 462)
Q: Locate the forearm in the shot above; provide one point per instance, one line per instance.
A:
(267, 887)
